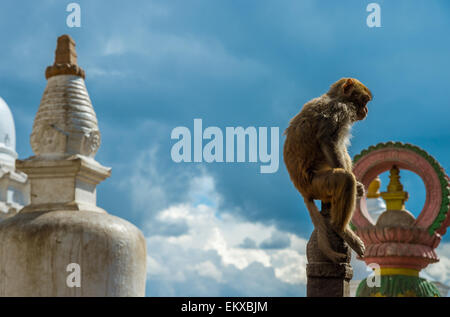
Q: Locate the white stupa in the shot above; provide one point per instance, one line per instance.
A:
(14, 187)
(62, 243)
(8, 153)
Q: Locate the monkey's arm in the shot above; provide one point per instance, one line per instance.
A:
(328, 131)
(360, 190)
(333, 159)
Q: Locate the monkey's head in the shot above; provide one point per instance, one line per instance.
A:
(352, 91)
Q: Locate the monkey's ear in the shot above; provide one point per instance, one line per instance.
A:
(348, 86)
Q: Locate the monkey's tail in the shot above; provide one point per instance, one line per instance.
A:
(315, 215)
(321, 225)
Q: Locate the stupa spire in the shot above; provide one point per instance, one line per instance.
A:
(395, 197)
(65, 139)
(65, 59)
(66, 123)
(65, 51)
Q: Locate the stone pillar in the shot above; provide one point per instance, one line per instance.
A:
(325, 278)
(62, 243)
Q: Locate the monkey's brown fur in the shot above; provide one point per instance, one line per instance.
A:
(316, 157)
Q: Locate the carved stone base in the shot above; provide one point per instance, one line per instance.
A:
(325, 278)
(67, 183)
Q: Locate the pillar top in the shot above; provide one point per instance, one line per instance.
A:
(65, 59)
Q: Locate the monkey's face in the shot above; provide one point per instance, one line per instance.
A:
(360, 101)
(359, 95)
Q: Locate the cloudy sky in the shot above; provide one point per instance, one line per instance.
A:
(225, 229)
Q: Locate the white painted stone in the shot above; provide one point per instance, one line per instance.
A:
(375, 207)
(62, 226)
(14, 187)
(38, 246)
(65, 122)
(7, 136)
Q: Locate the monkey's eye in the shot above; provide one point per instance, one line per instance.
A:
(365, 99)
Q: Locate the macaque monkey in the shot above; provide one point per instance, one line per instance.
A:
(316, 157)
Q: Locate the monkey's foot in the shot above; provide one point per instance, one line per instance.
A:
(335, 257)
(325, 247)
(352, 239)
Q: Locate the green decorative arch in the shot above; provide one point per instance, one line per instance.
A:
(438, 169)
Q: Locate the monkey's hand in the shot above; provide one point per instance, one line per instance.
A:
(360, 191)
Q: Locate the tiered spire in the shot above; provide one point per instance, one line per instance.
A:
(395, 197)
(65, 59)
(66, 123)
(65, 139)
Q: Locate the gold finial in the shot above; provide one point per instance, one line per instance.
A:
(65, 59)
(373, 190)
(395, 197)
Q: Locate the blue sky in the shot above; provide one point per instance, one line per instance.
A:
(225, 229)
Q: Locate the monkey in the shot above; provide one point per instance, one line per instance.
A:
(319, 166)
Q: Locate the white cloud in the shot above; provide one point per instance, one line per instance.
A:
(205, 257)
(290, 266)
(114, 46)
(211, 244)
(276, 241)
(440, 271)
(183, 54)
(208, 269)
(94, 72)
